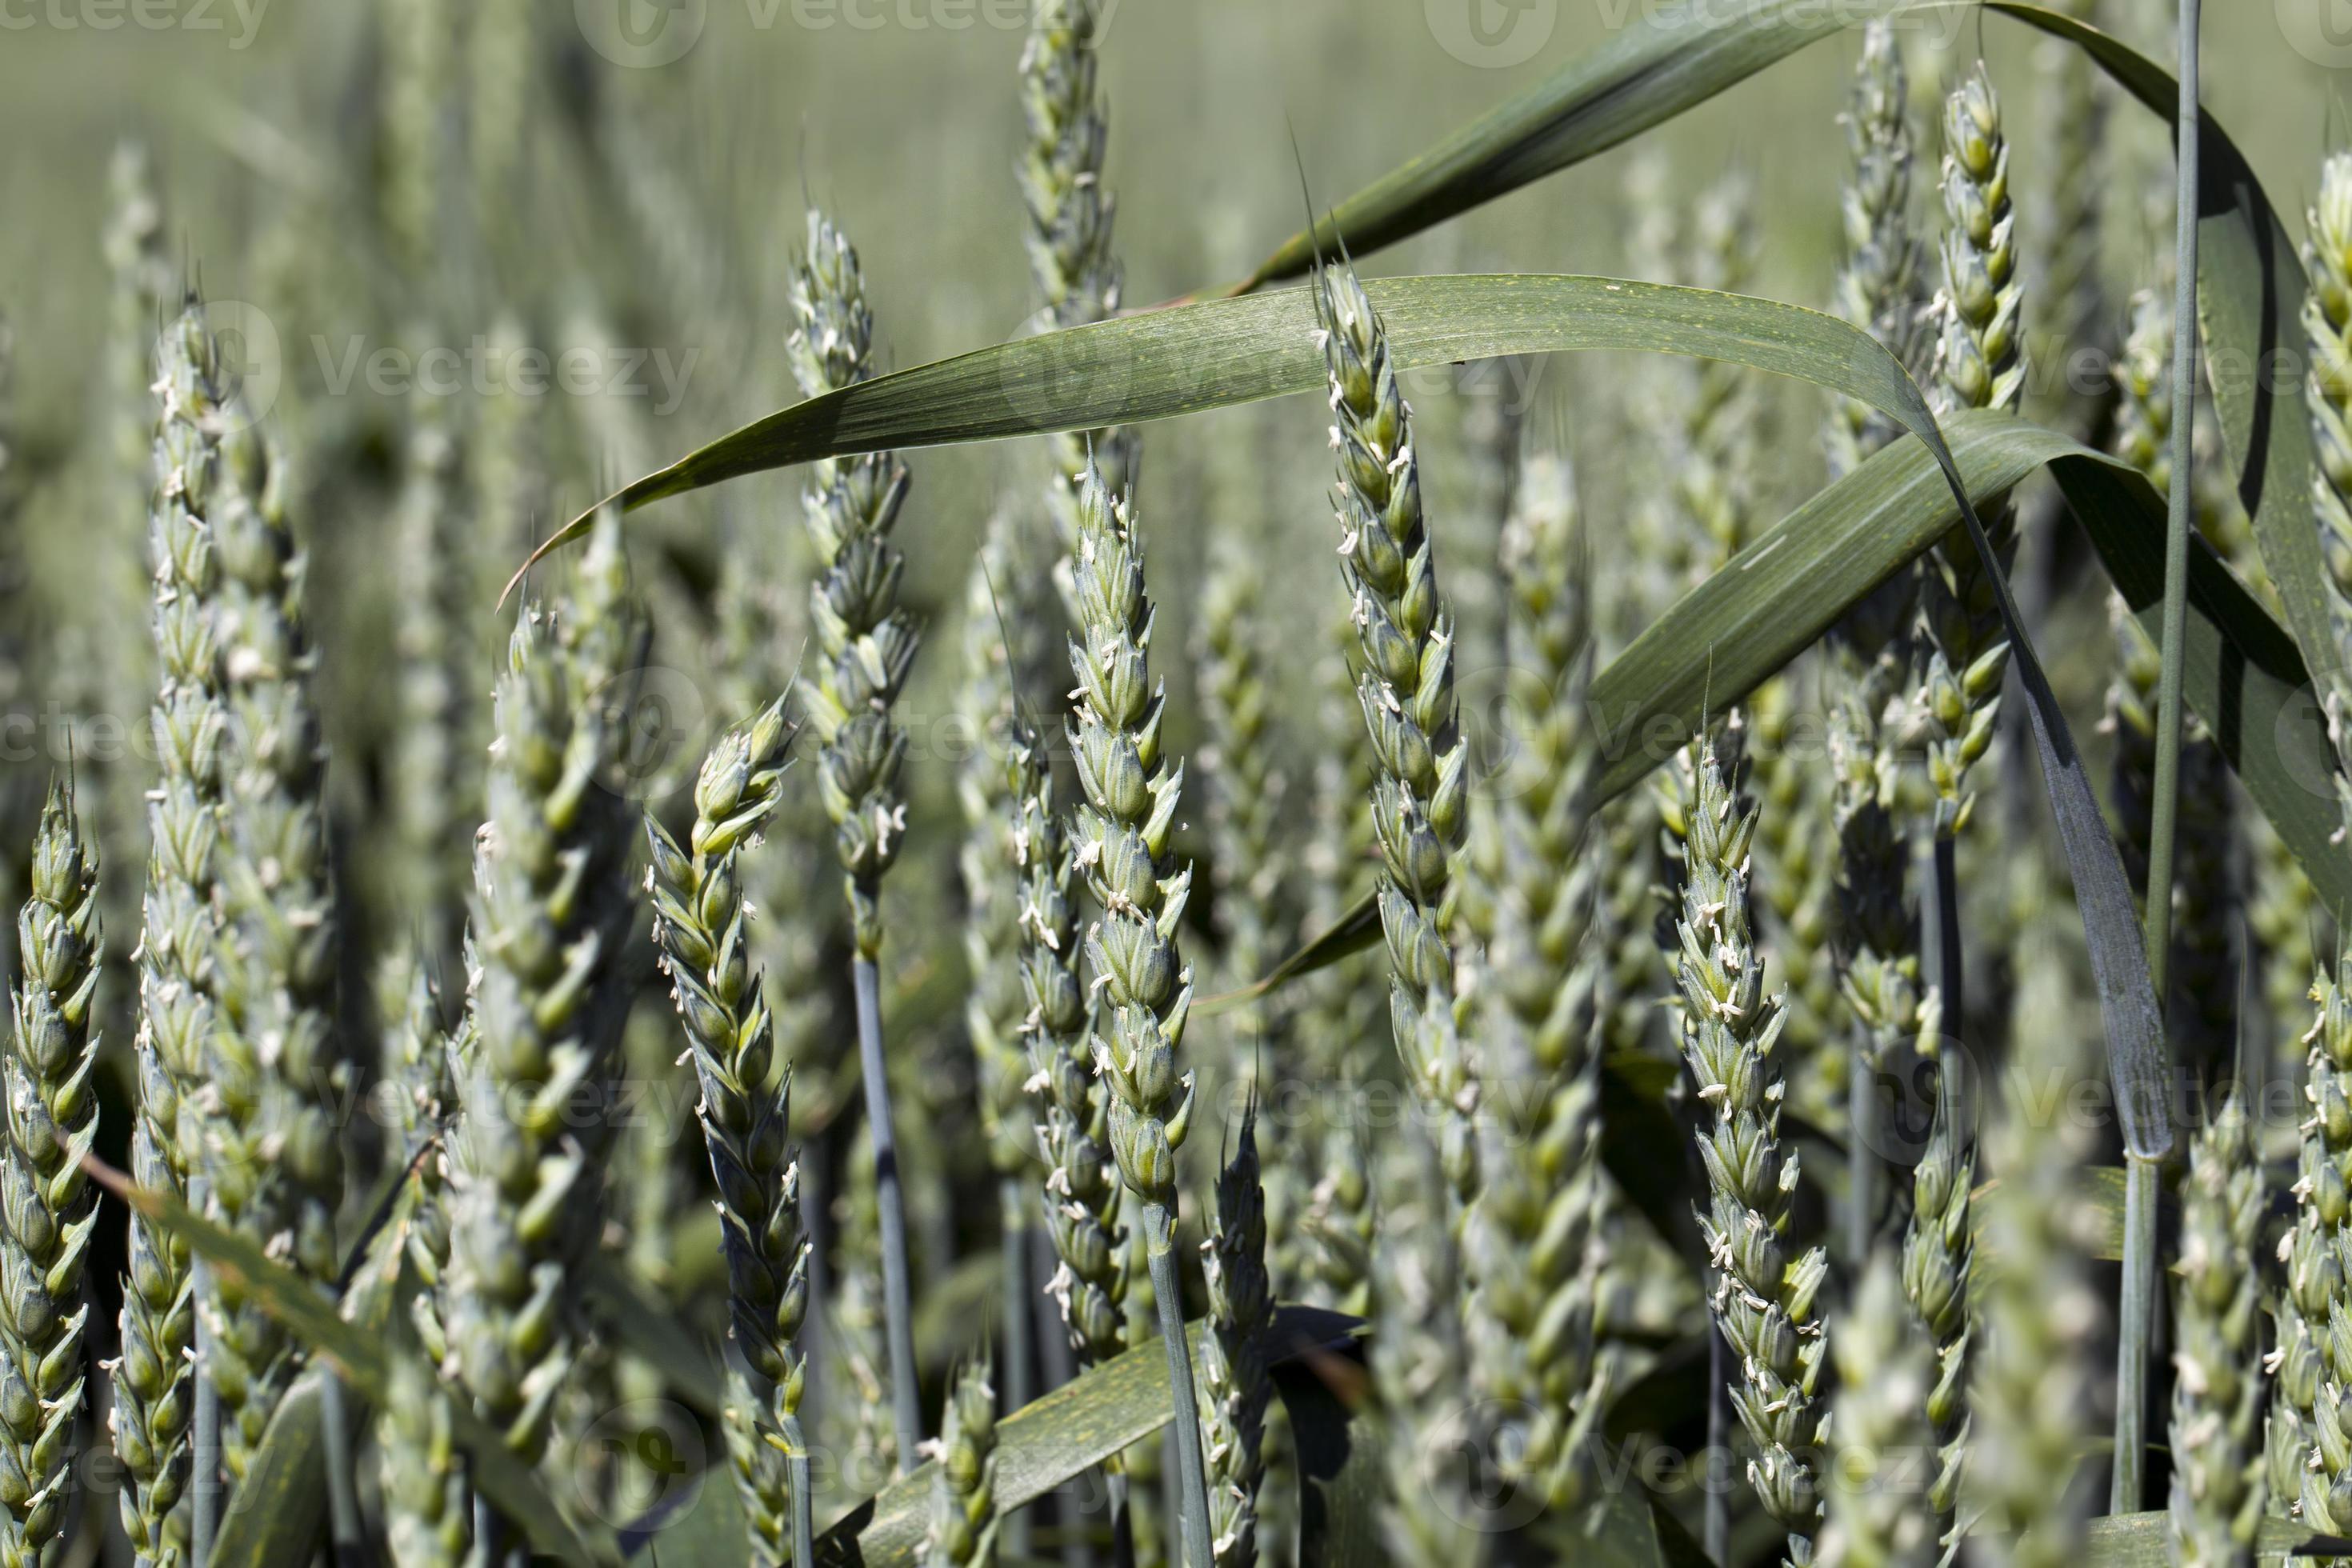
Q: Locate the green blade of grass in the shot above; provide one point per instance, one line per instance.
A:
(360, 1357)
(1106, 1411)
(1223, 353)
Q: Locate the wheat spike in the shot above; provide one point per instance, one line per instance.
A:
(2220, 1387)
(1405, 653)
(1527, 1248)
(1878, 286)
(427, 1522)
(553, 909)
(1764, 1299)
(46, 1201)
(1874, 1517)
(273, 1069)
(1236, 1389)
(1980, 364)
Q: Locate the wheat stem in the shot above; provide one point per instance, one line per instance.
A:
(2137, 1328)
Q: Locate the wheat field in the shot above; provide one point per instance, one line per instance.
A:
(1083, 782)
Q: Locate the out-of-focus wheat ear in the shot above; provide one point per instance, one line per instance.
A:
(964, 1522)
(1070, 213)
(421, 74)
(1528, 1257)
(50, 1206)
(554, 908)
(1876, 1515)
(2044, 1321)
(2072, 175)
(1419, 1360)
(434, 752)
(2221, 1387)
(1878, 283)
(427, 1505)
(1718, 446)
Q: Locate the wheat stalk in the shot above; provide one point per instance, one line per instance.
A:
(1873, 1519)
(274, 1077)
(49, 1207)
(2219, 1389)
(1237, 1391)
(701, 925)
(1404, 640)
(553, 910)
(1763, 1299)
(1527, 1248)
(1980, 364)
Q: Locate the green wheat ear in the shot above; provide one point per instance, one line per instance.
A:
(963, 1520)
(48, 1205)
(1236, 1389)
(1404, 686)
(1765, 1299)
(702, 926)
